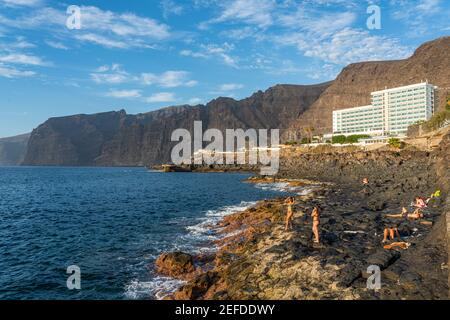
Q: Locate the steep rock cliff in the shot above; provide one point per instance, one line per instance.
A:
(354, 84)
(118, 139)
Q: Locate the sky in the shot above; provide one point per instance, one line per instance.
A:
(57, 60)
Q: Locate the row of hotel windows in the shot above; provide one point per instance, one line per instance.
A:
(365, 120)
(397, 109)
(352, 116)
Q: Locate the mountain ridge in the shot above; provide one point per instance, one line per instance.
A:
(119, 139)
(353, 85)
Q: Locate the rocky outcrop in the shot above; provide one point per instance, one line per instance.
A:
(175, 264)
(13, 149)
(260, 260)
(118, 139)
(354, 84)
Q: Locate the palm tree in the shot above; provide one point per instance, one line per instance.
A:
(309, 131)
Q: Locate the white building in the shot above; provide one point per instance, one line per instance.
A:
(392, 111)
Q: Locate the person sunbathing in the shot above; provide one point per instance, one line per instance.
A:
(404, 214)
(391, 233)
(316, 222)
(416, 215)
(290, 201)
(420, 203)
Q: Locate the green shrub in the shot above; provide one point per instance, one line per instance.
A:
(395, 142)
(291, 143)
(350, 139)
(339, 139)
(356, 137)
(304, 141)
(437, 120)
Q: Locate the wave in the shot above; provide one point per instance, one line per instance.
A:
(158, 287)
(285, 187)
(207, 229)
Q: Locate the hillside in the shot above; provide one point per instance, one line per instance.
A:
(354, 84)
(13, 149)
(118, 139)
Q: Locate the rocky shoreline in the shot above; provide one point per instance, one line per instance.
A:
(259, 260)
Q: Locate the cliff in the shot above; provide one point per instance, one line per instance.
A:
(13, 149)
(354, 84)
(118, 139)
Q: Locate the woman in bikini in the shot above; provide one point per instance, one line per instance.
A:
(290, 214)
(316, 222)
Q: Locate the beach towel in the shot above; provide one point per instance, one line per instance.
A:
(401, 245)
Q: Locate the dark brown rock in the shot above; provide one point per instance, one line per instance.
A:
(175, 264)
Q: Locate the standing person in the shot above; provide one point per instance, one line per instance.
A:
(290, 201)
(367, 189)
(316, 222)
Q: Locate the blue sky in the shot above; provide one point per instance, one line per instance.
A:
(143, 55)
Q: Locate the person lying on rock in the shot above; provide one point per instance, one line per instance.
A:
(404, 214)
(290, 201)
(420, 203)
(316, 222)
(391, 233)
(416, 215)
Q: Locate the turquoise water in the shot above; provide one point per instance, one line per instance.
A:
(111, 222)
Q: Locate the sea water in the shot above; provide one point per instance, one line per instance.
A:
(110, 222)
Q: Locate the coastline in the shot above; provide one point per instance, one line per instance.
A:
(257, 259)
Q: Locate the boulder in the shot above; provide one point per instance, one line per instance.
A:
(175, 264)
(197, 288)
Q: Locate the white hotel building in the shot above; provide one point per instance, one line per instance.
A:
(391, 111)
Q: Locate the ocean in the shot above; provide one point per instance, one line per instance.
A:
(110, 222)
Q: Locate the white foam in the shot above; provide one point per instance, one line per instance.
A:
(158, 287)
(276, 186)
(286, 187)
(207, 229)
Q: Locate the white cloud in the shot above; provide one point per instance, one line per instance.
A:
(56, 45)
(111, 75)
(101, 40)
(170, 7)
(255, 12)
(214, 51)
(11, 72)
(19, 58)
(27, 3)
(101, 27)
(348, 46)
(322, 24)
(230, 86)
(161, 97)
(124, 94)
(168, 79)
(114, 74)
(417, 14)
